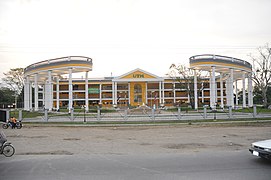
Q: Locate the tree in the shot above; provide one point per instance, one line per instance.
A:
(261, 73)
(6, 97)
(14, 80)
(258, 98)
(185, 77)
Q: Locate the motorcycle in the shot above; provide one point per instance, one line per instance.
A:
(6, 148)
(18, 125)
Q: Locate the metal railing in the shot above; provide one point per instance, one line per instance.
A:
(146, 115)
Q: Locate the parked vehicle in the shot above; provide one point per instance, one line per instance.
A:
(18, 125)
(261, 149)
(6, 148)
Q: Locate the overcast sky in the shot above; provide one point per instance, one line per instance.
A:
(122, 35)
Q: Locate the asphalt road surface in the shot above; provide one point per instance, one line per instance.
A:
(235, 165)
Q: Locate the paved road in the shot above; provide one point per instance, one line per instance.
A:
(232, 165)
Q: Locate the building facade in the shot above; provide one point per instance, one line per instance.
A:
(135, 88)
(45, 86)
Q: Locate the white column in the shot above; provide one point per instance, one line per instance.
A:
(46, 94)
(163, 93)
(188, 95)
(213, 88)
(227, 91)
(146, 93)
(86, 92)
(36, 92)
(50, 91)
(100, 95)
(113, 93)
(70, 90)
(210, 88)
(202, 93)
(215, 93)
(236, 92)
(244, 89)
(129, 93)
(25, 102)
(30, 96)
(160, 84)
(174, 94)
(116, 92)
(57, 93)
(250, 91)
(26, 94)
(195, 89)
(43, 95)
(231, 102)
(221, 91)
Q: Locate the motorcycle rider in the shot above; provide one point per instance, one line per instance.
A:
(9, 121)
(13, 122)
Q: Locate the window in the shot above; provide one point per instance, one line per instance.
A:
(75, 87)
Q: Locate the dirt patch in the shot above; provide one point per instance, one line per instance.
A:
(237, 146)
(131, 128)
(47, 153)
(232, 146)
(38, 137)
(22, 136)
(145, 144)
(232, 135)
(184, 146)
(71, 139)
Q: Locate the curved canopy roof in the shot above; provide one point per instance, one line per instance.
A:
(222, 64)
(58, 66)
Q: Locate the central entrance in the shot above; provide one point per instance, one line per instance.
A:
(137, 89)
(138, 93)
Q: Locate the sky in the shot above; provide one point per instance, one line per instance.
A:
(122, 35)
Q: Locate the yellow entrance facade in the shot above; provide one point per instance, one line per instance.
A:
(137, 93)
(137, 82)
